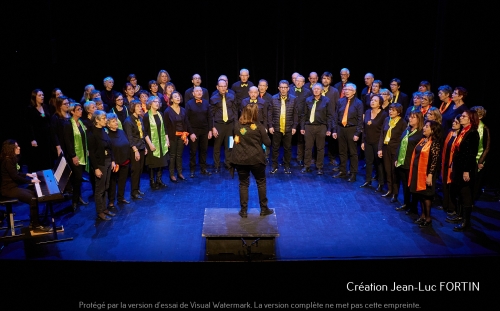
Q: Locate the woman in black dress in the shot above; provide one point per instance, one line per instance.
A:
(58, 120)
(409, 140)
(12, 179)
(157, 143)
(40, 152)
(389, 140)
(134, 128)
(56, 93)
(372, 126)
(449, 204)
(121, 152)
(464, 166)
(178, 129)
(423, 170)
(75, 140)
(248, 156)
(102, 161)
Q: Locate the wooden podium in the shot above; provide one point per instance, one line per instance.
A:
(232, 238)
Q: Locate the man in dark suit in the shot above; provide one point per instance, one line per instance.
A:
(344, 79)
(242, 87)
(224, 113)
(313, 79)
(283, 125)
(301, 93)
(397, 96)
(333, 95)
(223, 77)
(347, 126)
(268, 98)
(196, 80)
(315, 126)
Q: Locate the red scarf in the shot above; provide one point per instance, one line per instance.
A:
(422, 165)
(448, 177)
(424, 110)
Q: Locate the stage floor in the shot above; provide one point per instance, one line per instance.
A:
(319, 218)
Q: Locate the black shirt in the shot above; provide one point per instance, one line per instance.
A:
(199, 114)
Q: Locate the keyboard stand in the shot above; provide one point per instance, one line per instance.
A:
(55, 228)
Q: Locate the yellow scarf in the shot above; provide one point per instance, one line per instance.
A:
(392, 124)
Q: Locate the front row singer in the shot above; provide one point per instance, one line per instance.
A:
(248, 156)
(12, 180)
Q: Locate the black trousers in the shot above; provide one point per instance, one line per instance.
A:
(372, 159)
(259, 172)
(101, 186)
(449, 198)
(403, 175)
(76, 180)
(225, 130)
(118, 179)
(314, 134)
(136, 168)
(287, 146)
(176, 149)
(200, 146)
(347, 149)
(332, 148)
(301, 141)
(464, 191)
(389, 157)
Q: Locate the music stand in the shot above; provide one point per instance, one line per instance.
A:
(61, 173)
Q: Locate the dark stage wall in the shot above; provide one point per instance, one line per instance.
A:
(69, 44)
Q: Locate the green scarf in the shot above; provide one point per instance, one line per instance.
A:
(154, 135)
(480, 130)
(120, 126)
(392, 124)
(404, 147)
(77, 137)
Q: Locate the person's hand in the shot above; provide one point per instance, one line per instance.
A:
(215, 132)
(75, 161)
(152, 147)
(145, 151)
(32, 175)
(35, 181)
(396, 163)
(193, 138)
(428, 181)
(59, 150)
(379, 153)
(137, 155)
(334, 135)
(98, 173)
(293, 131)
(302, 132)
(466, 176)
(209, 134)
(113, 165)
(328, 133)
(480, 166)
(363, 146)
(117, 167)
(34, 144)
(271, 130)
(355, 138)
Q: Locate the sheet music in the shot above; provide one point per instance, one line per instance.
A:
(231, 142)
(38, 189)
(60, 169)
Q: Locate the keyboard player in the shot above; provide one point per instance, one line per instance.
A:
(12, 181)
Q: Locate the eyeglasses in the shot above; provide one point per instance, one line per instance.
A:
(66, 104)
(343, 74)
(283, 87)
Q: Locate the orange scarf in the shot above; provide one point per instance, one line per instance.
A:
(458, 141)
(424, 110)
(444, 106)
(422, 165)
(448, 177)
(183, 136)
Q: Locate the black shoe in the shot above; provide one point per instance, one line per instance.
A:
(306, 170)
(419, 220)
(266, 212)
(136, 196)
(243, 214)
(153, 186)
(205, 172)
(217, 170)
(352, 178)
(274, 170)
(451, 214)
(123, 201)
(454, 220)
(379, 188)
(83, 202)
(109, 213)
(425, 224)
(394, 198)
(340, 175)
(181, 177)
(288, 170)
(401, 208)
(388, 194)
(320, 171)
(191, 175)
(103, 216)
(366, 184)
(336, 169)
(41, 229)
(140, 192)
(301, 163)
